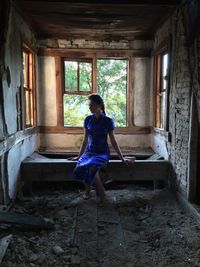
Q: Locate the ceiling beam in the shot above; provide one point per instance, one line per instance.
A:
(115, 2)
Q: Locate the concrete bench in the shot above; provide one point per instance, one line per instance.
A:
(46, 169)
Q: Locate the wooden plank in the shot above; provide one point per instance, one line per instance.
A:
(79, 130)
(15, 139)
(59, 91)
(110, 228)
(115, 2)
(24, 219)
(92, 52)
(4, 242)
(86, 232)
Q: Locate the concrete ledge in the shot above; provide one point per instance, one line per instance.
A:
(45, 169)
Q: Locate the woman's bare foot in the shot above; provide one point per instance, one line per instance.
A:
(86, 196)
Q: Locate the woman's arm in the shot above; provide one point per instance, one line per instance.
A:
(117, 149)
(84, 143)
(115, 145)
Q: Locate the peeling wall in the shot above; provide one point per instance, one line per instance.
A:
(15, 156)
(16, 143)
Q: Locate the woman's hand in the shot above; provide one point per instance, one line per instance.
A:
(74, 158)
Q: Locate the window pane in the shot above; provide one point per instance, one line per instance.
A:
(164, 73)
(112, 86)
(70, 71)
(164, 70)
(25, 69)
(28, 105)
(75, 109)
(30, 71)
(85, 72)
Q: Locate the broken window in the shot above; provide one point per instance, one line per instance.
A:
(110, 77)
(161, 85)
(28, 86)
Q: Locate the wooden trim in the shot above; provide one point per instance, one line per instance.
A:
(85, 53)
(34, 93)
(157, 91)
(130, 93)
(16, 138)
(94, 74)
(59, 91)
(30, 51)
(163, 46)
(79, 130)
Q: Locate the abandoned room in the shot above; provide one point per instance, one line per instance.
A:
(143, 59)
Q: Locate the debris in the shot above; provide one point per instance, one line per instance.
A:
(75, 260)
(4, 242)
(33, 257)
(57, 250)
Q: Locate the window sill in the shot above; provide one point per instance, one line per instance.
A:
(79, 130)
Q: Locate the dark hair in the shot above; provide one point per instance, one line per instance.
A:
(98, 100)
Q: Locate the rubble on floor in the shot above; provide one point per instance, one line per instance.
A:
(136, 227)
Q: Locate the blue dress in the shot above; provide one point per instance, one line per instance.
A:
(97, 152)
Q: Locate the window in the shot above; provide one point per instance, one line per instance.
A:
(28, 86)
(79, 79)
(161, 83)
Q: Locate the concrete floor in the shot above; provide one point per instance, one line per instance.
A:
(137, 227)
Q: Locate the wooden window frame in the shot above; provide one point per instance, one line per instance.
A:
(31, 88)
(157, 90)
(70, 54)
(78, 92)
(94, 84)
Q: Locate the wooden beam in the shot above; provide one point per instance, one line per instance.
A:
(24, 219)
(85, 53)
(15, 139)
(79, 130)
(115, 2)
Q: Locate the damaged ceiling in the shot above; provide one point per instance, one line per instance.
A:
(95, 20)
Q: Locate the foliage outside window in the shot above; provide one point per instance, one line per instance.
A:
(111, 77)
(162, 68)
(28, 85)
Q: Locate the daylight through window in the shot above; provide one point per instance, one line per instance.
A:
(28, 78)
(111, 80)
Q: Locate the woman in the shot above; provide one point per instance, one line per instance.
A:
(94, 150)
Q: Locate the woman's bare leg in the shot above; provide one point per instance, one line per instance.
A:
(101, 192)
(87, 193)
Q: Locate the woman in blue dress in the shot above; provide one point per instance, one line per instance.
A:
(94, 151)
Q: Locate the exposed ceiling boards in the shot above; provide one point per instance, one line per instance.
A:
(95, 20)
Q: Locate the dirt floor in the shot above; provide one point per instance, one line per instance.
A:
(137, 227)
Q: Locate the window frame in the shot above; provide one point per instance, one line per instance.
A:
(94, 84)
(85, 60)
(31, 89)
(158, 56)
(72, 53)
